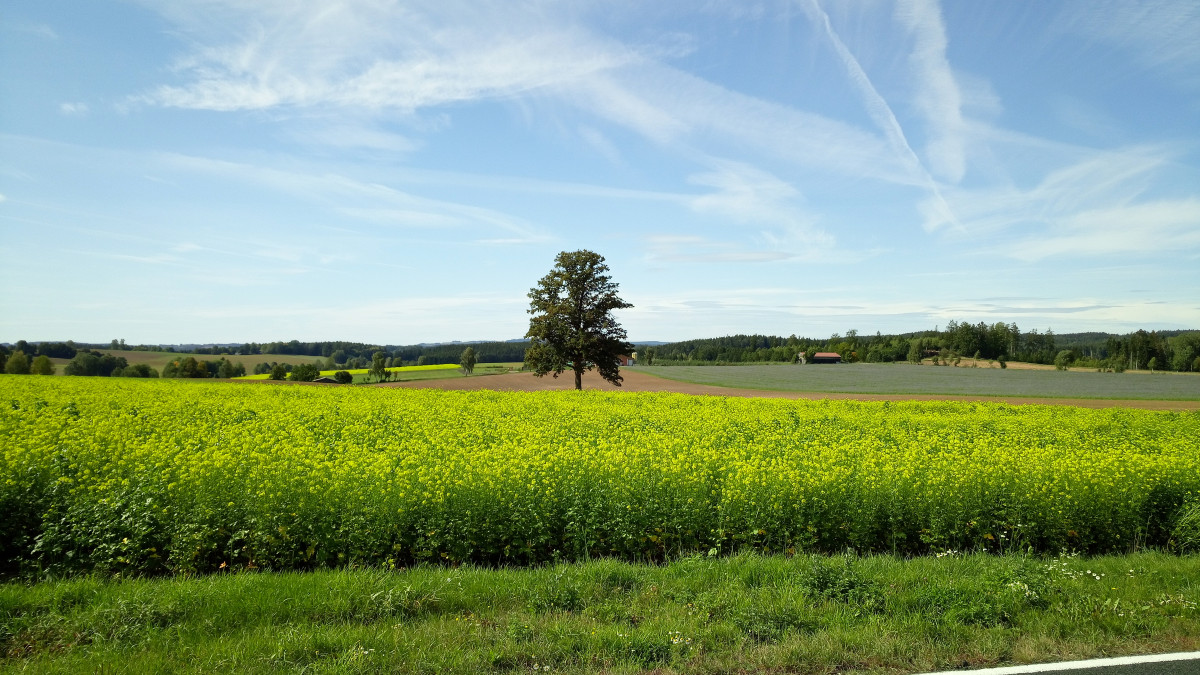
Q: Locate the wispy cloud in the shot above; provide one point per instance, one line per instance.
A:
(815, 312)
(1094, 207)
(1164, 225)
(1161, 34)
(679, 110)
(600, 143)
(937, 96)
(368, 202)
(379, 56)
(930, 55)
(697, 249)
(423, 57)
(346, 136)
(752, 198)
(157, 259)
(73, 109)
(40, 30)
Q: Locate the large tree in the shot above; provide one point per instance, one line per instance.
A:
(572, 324)
(378, 369)
(467, 362)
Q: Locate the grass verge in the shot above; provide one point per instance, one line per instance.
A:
(696, 614)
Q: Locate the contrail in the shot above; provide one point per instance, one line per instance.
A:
(879, 110)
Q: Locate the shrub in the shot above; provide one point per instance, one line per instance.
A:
(1064, 359)
(305, 372)
(17, 364)
(42, 366)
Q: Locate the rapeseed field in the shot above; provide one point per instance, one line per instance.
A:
(162, 476)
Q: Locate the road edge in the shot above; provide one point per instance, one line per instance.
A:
(1077, 665)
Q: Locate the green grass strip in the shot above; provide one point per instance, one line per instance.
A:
(745, 613)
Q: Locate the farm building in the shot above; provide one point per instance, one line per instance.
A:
(623, 360)
(826, 357)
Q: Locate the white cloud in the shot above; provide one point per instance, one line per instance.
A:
(674, 108)
(349, 136)
(753, 198)
(378, 56)
(383, 57)
(1147, 228)
(1082, 116)
(1094, 207)
(814, 311)
(38, 29)
(937, 96)
(696, 249)
(367, 202)
(1161, 34)
(600, 143)
(946, 149)
(75, 109)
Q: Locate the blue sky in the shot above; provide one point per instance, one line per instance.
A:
(401, 172)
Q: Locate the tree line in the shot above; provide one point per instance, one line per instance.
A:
(360, 354)
(1140, 350)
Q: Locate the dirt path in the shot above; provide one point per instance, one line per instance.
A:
(639, 381)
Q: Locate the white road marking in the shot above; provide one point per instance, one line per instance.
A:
(1077, 665)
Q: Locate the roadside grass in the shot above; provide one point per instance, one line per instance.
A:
(745, 613)
(898, 378)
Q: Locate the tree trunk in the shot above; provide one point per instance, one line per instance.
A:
(578, 378)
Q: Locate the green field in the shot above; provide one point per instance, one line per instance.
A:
(739, 614)
(897, 378)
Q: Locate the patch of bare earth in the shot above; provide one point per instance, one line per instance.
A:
(639, 381)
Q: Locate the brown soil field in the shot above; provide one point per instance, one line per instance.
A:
(640, 381)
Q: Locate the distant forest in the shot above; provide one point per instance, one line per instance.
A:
(1154, 350)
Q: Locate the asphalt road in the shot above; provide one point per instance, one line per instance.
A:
(1187, 663)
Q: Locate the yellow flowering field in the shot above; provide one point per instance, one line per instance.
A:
(153, 476)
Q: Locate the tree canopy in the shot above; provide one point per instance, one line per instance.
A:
(572, 325)
(17, 364)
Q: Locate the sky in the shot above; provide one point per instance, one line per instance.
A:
(181, 171)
